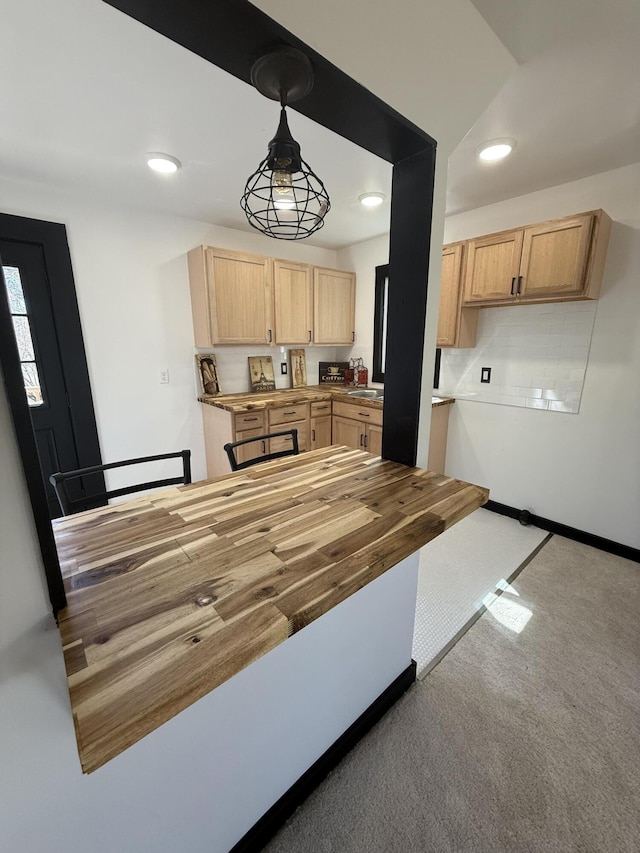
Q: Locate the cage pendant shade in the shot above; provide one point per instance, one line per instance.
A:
(284, 198)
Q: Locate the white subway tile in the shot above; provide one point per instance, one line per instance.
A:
(536, 404)
(552, 394)
(557, 406)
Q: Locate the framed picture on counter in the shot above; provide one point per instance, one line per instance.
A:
(298, 368)
(207, 370)
(261, 373)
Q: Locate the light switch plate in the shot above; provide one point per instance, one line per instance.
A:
(485, 374)
(164, 376)
(283, 368)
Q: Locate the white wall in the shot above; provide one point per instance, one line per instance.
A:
(582, 470)
(132, 285)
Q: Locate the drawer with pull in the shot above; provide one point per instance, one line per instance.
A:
(364, 414)
(322, 407)
(288, 414)
(249, 420)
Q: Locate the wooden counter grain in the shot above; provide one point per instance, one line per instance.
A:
(173, 593)
(248, 401)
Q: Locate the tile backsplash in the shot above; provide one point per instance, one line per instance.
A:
(233, 367)
(537, 354)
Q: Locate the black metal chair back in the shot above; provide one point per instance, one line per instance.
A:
(70, 505)
(265, 457)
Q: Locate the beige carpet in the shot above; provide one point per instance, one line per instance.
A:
(526, 737)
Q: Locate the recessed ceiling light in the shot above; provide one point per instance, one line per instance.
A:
(496, 149)
(164, 163)
(371, 199)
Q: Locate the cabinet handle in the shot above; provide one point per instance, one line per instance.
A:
(365, 440)
(309, 335)
(264, 446)
(361, 440)
(269, 335)
(353, 337)
(513, 285)
(313, 435)
(290, 413)
(246, 420)
(519, 290)
(364, 415)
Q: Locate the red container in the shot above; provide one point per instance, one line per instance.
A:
(363, 376)
(348, 376)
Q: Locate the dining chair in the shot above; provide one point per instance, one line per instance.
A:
(230, 447)
(70, 505)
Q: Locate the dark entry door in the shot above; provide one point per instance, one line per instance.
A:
(38, 347)
(44, 316)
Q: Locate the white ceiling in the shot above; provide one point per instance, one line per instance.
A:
(572, 105)
(76, 73)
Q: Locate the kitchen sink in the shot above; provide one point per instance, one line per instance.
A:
(372, 393)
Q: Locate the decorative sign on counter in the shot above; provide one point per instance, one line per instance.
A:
(298, 368)
(261, 373)
(332, 372)
(208, 374)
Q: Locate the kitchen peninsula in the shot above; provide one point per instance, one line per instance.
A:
(172, 594)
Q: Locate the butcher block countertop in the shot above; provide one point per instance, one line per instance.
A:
(248, 401)
(171, 594)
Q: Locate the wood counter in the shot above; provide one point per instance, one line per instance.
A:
(170, 595)
(248, 401)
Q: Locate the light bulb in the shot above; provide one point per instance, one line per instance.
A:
(284, 203)
(282, 181)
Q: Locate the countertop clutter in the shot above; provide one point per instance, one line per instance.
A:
(171, 594)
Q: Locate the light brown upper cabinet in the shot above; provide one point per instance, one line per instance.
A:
(231, 297)
(558, 260)
(456, 325)
(293, 303)
(237, 298)
(334, 306)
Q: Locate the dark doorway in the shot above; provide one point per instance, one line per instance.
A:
(28, 290)
(43, 357)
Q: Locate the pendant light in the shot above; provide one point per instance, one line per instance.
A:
(284, 198)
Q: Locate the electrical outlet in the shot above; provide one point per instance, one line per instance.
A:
(283, 368)
(164, 376)
(485, 374)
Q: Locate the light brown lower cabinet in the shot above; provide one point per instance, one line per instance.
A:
(357, 426)
(287, 417)
(320, 424)
(222, 426)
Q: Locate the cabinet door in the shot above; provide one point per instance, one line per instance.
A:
(250, 451)
(493, 265)
(239, 296)
(283, 442)
(293, 303)
(320, 432)
(348, 432)
(449, 295)
(373, 439)
(554, 257)
(334, 306)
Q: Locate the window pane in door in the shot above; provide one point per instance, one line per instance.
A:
(32, 383)
(23, 338)
(22, 329)
(17, 304)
